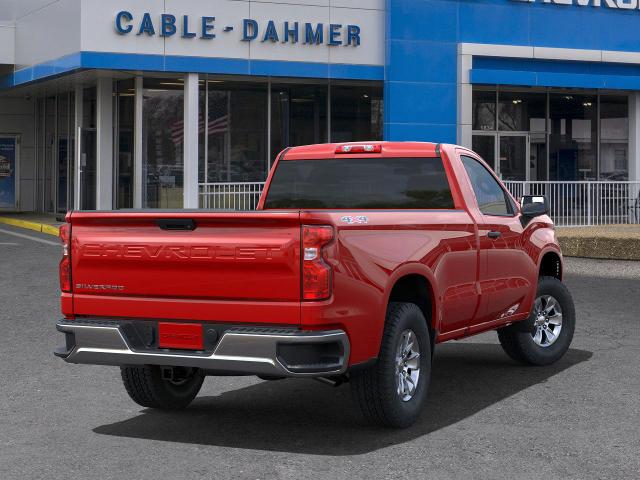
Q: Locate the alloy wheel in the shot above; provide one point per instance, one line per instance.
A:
(548, 321)
(407, 365)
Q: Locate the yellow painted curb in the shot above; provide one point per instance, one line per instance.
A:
(51, 230)
(38, 227)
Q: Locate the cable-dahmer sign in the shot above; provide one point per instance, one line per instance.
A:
(168, 25)
(624, 4)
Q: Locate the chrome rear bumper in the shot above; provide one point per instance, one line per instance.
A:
(241, 350)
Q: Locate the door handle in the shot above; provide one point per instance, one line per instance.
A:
(176, 224)
(494, 235)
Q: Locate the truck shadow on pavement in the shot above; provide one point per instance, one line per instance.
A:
(305, 416)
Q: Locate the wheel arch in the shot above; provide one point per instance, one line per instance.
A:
(550, 264)
(418, 286)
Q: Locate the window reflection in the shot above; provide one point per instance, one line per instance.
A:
(484, 110)
(233, 143)
(88, 154)
(485, 146)
(298, 115)
(64, 127)
(573, 143)
(356, 113)
(124, 141)
(162, 140)
(614, 137)
(237, 132)
(522, 112)
(567, 139)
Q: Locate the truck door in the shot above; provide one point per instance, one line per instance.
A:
(506, 270)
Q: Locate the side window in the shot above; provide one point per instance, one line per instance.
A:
(492, 199)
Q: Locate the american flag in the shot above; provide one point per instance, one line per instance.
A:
(217, 125)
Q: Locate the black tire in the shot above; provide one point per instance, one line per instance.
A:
(375, 389)
(517, 340)
(147, 388)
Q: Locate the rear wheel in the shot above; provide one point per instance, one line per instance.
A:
(546, 336)
(394, 390)
(168, 388)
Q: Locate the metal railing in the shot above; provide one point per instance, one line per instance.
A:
(571, 203)
(586, 203)
(230, 196)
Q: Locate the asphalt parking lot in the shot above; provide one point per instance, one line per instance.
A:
(486, 418)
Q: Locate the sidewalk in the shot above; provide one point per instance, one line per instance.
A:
(39, 222)
(613, 242)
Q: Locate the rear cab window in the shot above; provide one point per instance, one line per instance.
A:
(361, 183)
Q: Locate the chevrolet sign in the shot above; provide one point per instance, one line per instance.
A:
(623, 4)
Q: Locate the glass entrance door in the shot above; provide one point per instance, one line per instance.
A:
(485, 146)
(513, 157)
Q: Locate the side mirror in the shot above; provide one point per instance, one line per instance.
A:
(533, 206)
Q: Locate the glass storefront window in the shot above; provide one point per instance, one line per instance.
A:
(538, 157)
(63, 148)
(614, 137)
(298, 115)
(573, 143)
(54, 152)
(237, 132)
(568, 141)
(521, 155)
(484, 110)
(356, 113)
(124, 112)
(202, 144)
(485, 146)
(522, 112)
(513, 157)
(50, 155)
(233, 140)
(163, 143)
(88, 152)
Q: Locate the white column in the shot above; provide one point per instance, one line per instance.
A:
(77, 204)
(137, 145)
(634, 137)
(104, 144)
(465, 100)
(191, 140)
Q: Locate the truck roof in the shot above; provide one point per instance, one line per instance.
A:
(389, 149)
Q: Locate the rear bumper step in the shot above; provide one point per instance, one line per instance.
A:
(242, 350)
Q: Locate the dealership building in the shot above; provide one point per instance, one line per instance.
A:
(185, 103)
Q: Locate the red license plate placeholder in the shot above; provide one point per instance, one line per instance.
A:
(183, 336)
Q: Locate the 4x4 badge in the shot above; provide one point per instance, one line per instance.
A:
(359, 220)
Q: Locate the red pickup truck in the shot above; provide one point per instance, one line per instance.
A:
(359, 259)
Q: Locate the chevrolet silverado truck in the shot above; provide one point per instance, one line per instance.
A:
(358, 261)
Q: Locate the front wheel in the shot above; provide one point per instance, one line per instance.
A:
(394, 390)
(546, 336)
(168, 388)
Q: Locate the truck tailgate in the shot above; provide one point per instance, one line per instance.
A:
(229, 267)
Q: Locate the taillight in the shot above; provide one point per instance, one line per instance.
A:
(65, 263)
(364, 148)
(316, 274)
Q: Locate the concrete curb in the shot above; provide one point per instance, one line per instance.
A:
(38, 227)
(599, 247)
(610, 242)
